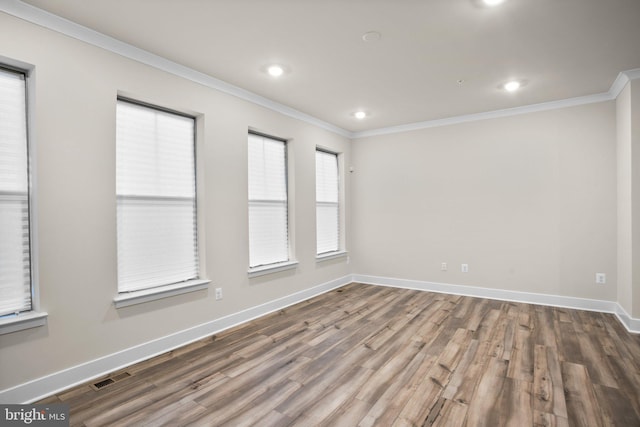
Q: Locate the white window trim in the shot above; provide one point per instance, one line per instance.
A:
(340, 251)
(33, 318)
(22, 321)
(331, 255)
(126, 299)
(290, 263)
(272, 268)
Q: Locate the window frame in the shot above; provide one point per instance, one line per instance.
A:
(290, 262)
(34, 317)
(127, 298)
(340, 251)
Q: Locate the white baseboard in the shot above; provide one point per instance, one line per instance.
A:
(631, 324)
(61, 380)
(75, 375)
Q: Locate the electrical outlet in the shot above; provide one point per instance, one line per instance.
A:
(443, 266)
(218, 294)
(464, 268)
(601, 278)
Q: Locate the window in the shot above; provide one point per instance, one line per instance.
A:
(327, 202)
(15, 251)
(156, 197)
(268, 207)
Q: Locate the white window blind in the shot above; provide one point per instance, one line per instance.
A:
(327, 202)
(156, 197)
(15, 269)
(268, 229)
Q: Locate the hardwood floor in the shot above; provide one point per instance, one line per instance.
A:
(373, 356)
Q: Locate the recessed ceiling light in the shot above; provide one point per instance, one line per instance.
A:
(492, 2)
(371, 36)
(360, 115)
(512, 86)
(275, 70)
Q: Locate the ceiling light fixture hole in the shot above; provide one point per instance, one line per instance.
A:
(275, 70)
(512, 86)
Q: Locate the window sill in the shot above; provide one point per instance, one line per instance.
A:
(272, 268)
(22, 321)
(331, 255)
(126, 299)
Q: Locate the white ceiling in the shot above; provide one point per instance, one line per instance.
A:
(561, 48)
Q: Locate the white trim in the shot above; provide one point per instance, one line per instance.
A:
(22, 321)
(621, 81)
(272, 268)
(331, 255)
(631, 324)
(37, 318)
(618, 84)
(125, 299)
(69, 28)
(32, 318)
(616, 87)
(544, 106)
(34, 234)
(633, 74)
(79, 374)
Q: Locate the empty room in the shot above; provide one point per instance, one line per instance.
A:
(320, 213)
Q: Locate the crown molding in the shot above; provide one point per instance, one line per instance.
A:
(69, 28)
(552, 105)
(621, 81)
(633, 74)
(64, 26)
(618, 85)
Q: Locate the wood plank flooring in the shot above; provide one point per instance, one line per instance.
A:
(374, 356)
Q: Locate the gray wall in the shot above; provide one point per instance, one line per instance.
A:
(76, 90)
(528, 201)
